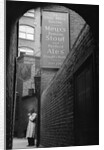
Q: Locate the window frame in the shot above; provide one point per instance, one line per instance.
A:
(25, 32)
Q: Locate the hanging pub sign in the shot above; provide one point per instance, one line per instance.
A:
(55, 38)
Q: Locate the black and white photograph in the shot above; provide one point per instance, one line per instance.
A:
(52, 75)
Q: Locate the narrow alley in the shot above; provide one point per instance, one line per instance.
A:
(52, 75)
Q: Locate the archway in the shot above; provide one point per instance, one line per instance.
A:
(11, 55)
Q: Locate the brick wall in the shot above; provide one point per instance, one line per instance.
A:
(46, 77)
(57, 97)
(76, 24)
(57, 100)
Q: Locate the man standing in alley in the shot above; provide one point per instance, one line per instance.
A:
(30, 134)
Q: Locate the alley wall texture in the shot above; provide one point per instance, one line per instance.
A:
(57, 100)
(76, 23)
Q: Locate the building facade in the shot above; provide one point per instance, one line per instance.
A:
(28, 66)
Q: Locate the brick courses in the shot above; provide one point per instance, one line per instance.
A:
(57, 101)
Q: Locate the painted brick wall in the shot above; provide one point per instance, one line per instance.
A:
(57, 97)
(57, 101)
(76, 24)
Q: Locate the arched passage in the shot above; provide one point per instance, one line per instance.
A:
(12, 48)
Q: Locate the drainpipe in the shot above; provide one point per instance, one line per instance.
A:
(37, 81)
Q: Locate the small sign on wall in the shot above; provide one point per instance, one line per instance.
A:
(55, 38)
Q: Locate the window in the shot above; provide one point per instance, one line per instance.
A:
(30, 13)
(26, 32)
(26, 51)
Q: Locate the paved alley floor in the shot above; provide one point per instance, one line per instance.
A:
(21, 144)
